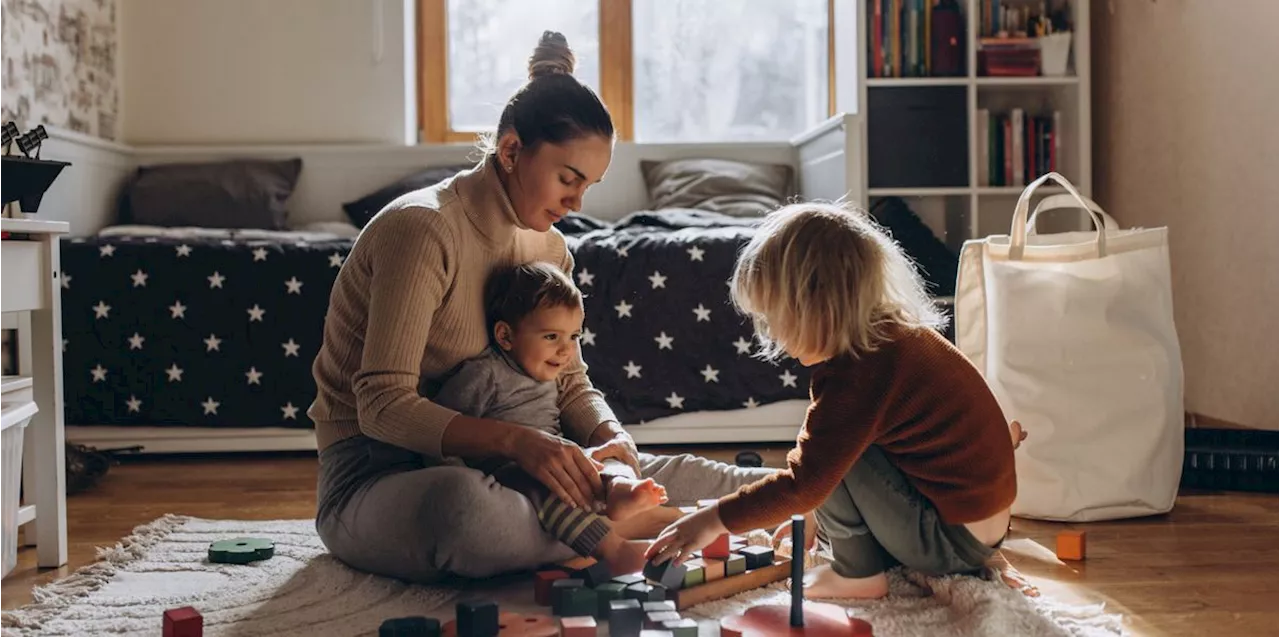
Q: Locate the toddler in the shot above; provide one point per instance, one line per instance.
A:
(904, 456)
(535, 317)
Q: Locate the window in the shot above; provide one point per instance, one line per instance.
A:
(669, 70)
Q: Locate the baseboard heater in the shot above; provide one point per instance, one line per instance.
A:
(1231, 460)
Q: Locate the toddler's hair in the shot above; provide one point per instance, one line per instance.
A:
(821, 280)
(514, 292)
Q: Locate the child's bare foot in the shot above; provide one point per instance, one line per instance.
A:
(810, 532)
(627, 497)
(647, 524)
(623, 557)
(821, 582)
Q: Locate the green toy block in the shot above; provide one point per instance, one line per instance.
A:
(682, 628)
(695, 573)
(606, 593)
(735, 565)
(241, 550)
(576, 602)
(559, 594)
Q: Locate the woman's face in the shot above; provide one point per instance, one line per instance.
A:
(549, 182)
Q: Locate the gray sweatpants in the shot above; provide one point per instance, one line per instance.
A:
(383, 510)
(876, 519)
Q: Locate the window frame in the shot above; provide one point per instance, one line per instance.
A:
(617, 69)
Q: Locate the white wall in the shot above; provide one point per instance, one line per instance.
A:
(265, 71)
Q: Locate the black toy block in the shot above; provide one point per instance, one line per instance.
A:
(410, 627)
(593, 576)
(626, 618)
(757, 556)
(559, 588)
(477, 618)
(668, 573)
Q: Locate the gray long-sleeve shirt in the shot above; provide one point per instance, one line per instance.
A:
(493, 385)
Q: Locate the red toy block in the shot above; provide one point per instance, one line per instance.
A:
(542, 585)
(1071, 545)
(718, 549)
(577, 627)
(183, 622)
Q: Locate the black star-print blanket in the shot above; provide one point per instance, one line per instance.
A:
(217, 332)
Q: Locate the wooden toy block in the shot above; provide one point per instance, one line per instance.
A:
(726, 631)
(668, 573)
(606, 593)
(241, 550)
(594, 575)
(559, 588)
(576, 602)
(1071, 545)
(658, 607)
(542, 585)
(477, 618)
(625, 618)
(682, 627)
(757, 556)
(512, 625)
(643, 592)
(719, 549)
(577, 627)
(183, 622)
(628, 580)
(735, 565)
(657, 619)
(410, 627)
(736, 547)
(714, 569)
(729, 586)
(695, 573)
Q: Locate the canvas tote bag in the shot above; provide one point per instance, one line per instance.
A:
(1074, 334)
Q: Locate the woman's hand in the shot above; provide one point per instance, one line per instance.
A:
(621, 448)
(690, 533)
(559, 464)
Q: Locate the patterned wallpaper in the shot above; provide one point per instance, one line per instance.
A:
(60, 65)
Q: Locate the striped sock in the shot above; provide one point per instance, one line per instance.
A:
(581, 530)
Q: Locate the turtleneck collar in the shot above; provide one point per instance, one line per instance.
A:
(486, 204)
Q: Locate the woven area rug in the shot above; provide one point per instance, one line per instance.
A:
(303, 591)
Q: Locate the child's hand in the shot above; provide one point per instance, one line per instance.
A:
(1017, 433)
(690, 533)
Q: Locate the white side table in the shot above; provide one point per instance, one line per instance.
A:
(30, 285)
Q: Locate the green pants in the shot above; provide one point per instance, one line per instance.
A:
(875, 519)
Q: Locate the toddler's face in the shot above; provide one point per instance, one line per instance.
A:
(546, 341)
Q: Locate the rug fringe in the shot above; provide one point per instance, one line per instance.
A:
(52, 598)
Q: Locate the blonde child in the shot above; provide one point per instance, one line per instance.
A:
(904, 456)
(535, 317)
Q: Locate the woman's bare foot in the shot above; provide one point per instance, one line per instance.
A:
(820, 582)
(623, 557)
(626, 497)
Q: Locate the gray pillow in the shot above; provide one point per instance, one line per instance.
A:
(362, 210)
(740, 189)
(225, 194)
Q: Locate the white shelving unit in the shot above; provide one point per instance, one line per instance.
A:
(976, 210)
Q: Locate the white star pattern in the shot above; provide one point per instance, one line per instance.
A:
(664, 341)
(585, 278)
(294, 285)
(210, 406)
(290, 348)
(675, 401)
(743, 345)
(788, 379)
(657, 280)
(212, 343)
(633, 370)
(751, 403)
(66, 280)
(710, 375)
(623, 308)
(135, 405)
(101, 310)
(255, 313)
(703, 313)
(178, 310)
(183, 250)
(255, 376)
(215, 280)
(99, 373)
(135, 341)
(335, 260)
(622, 252)
(260, 254)
(588, 337)
(106, 250)
(139, 279)
(695, 253)
(175, 373)
(290, 412)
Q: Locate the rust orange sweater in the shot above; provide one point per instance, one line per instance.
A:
(924, 404)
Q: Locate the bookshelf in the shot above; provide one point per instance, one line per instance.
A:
(956, 206)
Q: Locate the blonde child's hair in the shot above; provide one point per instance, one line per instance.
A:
(822, 280)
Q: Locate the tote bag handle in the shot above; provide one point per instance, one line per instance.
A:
(1018, 233)
(1058, 202)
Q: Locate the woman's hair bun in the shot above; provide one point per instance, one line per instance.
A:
(552, 56)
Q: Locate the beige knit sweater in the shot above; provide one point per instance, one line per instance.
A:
(407, 308)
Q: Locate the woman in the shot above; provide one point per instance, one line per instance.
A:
(407, 308)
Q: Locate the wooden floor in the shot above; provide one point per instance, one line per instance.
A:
(1208, 568)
